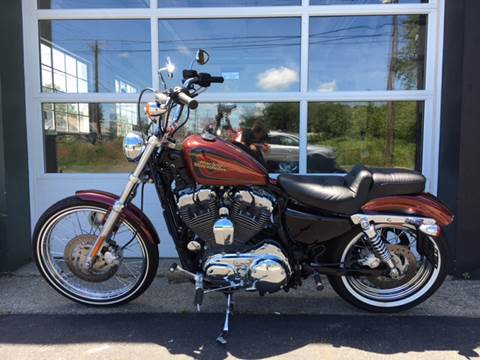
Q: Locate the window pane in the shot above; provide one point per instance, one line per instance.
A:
(47, 115)
(87, 138)
(99, 52)
(58, 60)
(85, 4)
(71, 65)
(59, 81)
(257, 126)
(47, 81)
(226, 3)
(378, 134)
(46, 55)
(367, 53)
(361, 2)
(252, 54)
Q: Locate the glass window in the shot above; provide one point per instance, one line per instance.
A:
(225, 3)
(367, 53)
(361, 2)
(85, 4)
(378, 134)
(256, 126)
(87, 137)
(251, 54)
(47, 80)
(96, 53)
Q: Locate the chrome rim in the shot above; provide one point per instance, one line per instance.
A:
(79, 221)
(362, 288)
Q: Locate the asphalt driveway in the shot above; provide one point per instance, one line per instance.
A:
(37, 323)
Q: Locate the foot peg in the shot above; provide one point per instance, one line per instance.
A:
(177, 271)
(177, 277)
(318, 281)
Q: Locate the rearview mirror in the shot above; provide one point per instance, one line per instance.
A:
(202, 57)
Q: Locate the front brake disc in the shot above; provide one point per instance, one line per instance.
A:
(75, 255)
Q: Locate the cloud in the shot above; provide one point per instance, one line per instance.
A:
(184, 50)
(275, 79)
(328, 86)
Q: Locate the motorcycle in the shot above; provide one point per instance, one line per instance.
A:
(374, 233)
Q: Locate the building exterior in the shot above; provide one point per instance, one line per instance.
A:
(330, 83)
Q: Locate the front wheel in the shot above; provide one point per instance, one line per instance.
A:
(419, 279)
(124, 268)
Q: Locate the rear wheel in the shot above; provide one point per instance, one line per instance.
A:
(419, 279)
(124, 268)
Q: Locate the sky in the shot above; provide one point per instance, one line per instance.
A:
(254, 55)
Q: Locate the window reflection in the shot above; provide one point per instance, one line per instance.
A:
(80, 56)
(381, 134)
(268, 131)
(251, 54)
(87, 138)
(367, 53)
(361, 2)
(86, 4)
(225, 3)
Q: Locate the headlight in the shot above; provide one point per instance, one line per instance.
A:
(133, 146)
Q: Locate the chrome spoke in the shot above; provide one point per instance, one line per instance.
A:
(73, 225)
(364, 286)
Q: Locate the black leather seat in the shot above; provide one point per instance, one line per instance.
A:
(346, 194)
(395, 182)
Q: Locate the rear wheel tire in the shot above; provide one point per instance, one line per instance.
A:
(54, 274)
(422, 286)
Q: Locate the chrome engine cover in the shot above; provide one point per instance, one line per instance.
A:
(199, 210)
(266, 269)
(233, 218)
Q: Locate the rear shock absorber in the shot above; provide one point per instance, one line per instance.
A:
(379, 247)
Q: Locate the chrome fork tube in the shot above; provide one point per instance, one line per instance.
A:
(152, 144)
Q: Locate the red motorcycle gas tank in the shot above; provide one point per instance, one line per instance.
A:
(218, 162)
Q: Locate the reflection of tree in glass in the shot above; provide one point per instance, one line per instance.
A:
(411, 55)
(357, 131)
(404, 66)
(275, 116)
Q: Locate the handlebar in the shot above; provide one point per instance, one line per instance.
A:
(217, 79)
(187, 100)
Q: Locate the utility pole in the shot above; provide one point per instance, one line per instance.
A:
(388, 153)
(97, 112)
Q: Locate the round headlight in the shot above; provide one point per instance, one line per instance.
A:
(133, 146)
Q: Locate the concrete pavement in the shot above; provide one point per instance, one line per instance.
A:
(38, 323)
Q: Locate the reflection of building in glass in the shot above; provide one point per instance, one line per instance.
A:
(126, 113)
(70, 118)
(62, 71)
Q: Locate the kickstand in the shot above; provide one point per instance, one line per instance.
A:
(223, 335)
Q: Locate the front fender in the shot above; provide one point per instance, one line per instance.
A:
(130, 212)
(424, 204)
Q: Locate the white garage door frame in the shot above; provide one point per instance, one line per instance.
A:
(46, 188)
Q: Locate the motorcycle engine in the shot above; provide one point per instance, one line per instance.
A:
(224, 223)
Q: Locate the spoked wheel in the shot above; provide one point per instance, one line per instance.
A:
(124, 268)
(419, 278)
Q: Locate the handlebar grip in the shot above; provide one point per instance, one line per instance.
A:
(187, 100)
(217, 79)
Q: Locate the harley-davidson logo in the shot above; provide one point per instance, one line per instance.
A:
(210, 165)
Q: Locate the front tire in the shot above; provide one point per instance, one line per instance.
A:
(52, 239)
(365, 294)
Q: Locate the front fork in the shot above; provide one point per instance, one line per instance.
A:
(112, 218)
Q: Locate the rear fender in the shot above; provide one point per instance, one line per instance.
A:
(425, 205)
(130, 212)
